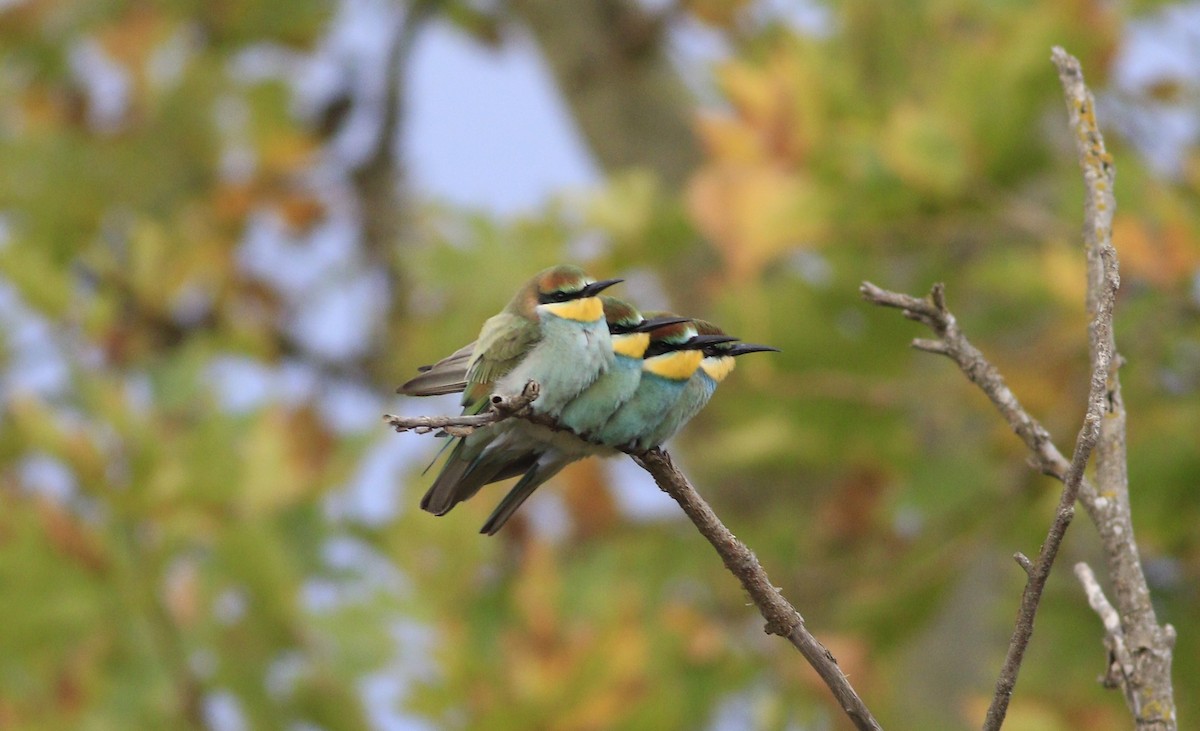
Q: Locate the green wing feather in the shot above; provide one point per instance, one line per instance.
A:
(504, 340)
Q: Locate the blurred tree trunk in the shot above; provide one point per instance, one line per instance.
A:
(608, 59)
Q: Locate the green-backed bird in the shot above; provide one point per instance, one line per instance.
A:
(552, 331)
(717, 363)
(672, 357)
(586, 413)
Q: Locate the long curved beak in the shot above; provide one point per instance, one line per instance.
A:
(700, 341)
(596, 288)
(743, 348)
(656, 322)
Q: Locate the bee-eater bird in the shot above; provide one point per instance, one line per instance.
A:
(553, 331)
(672, 357)
(717, 363)
(586, 413)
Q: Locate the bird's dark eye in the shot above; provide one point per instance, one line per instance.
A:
(549, 297)
(658, 347)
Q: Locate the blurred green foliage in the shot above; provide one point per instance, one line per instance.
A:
(197, 557)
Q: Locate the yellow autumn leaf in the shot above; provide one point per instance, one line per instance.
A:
(720, 13)
(1064, 270)
(610, 700)
(272, 477)
(151, 264)
(753, 214)
(729, 140)
(777, 117)
(132, 38)
(1025, 715)
(537, 589)
(1163, 256)
(626, 206)
(925, 149)
(71, 537)
(287, 151)
(749, 89)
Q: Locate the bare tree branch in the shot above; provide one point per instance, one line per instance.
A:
(1148, 687)
(953, 344)
(1148, 690)
(782, 618)
(933, 313)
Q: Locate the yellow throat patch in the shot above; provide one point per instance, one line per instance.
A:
(677, 365)
(631, 345)
(718, 367)
(586, 309)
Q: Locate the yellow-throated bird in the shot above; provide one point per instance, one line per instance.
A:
(630, 333)
(552, 331)
(672, 357)
(717, 363)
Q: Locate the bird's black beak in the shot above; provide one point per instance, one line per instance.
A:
(702, 341)
(656, 322)
(743, 348)
(596, 288)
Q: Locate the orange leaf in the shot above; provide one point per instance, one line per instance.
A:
(754, 213)
(1163, 258)
(71, 537)
(588, 498)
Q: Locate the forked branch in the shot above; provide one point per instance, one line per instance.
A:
(1148, 647)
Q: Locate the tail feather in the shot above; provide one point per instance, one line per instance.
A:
(468, 469)
(540, 472)
(518, 466)
(448, 375)
(443, 493)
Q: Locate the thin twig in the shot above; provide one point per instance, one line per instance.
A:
(460, 426)
(1120, 662)
(782, 618)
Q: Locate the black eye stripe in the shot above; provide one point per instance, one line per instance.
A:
(559, 296)
(659, 347)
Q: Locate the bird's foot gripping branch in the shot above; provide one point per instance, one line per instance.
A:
(502, 407)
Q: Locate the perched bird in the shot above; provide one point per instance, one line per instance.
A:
(672, 357)
(625, 326)
(611, 378)
(630, 334)
(553, 331)
(717, 363)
